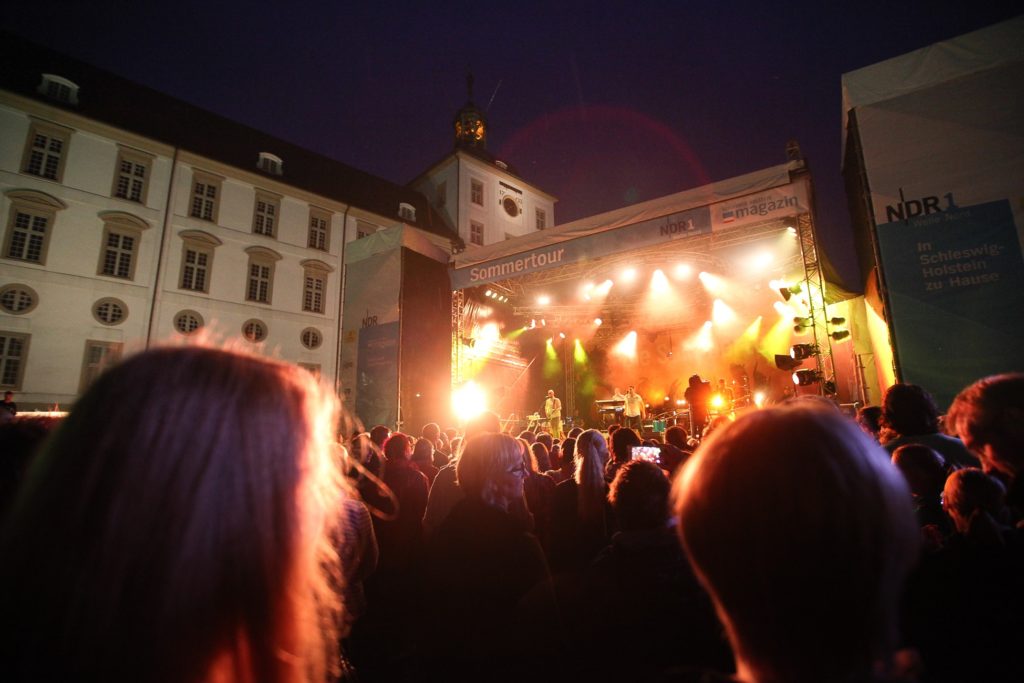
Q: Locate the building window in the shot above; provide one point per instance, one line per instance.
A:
(110, 311)
(58, 88)
(205, 193)
(476, 192)
(314, 285)
(13, 354)
(132, 176)
(121, 236)
(269, 163)
(407, 212)
(260, 281)
(197, 260)
(99, 355)
(18, 299)
(542, 219)
(319, 230)
(46, 150)
(364, 229)
(187, 322)
(254, 330)
(476, 233)
(311, 338)
(29, 226)
(265, 214)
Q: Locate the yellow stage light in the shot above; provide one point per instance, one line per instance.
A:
(468, 401)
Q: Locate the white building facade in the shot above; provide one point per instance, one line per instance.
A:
(117, 237)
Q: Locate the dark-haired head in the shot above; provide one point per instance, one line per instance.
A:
(909, 410)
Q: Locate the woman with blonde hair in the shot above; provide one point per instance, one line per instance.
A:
(582, 521)
(179, 526)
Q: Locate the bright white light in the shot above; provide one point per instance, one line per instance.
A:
(488, 293)
(659, 283)
(485, 312)
(468, 401)
(761, 260)
(712, 283)
(721, 313)
(627, 347)
(628, 275)
(784, 310)
(791, 230)
(489, 332)
(603, 288)
(543, 300)
(759, 398)
(682, 271)
(598, 321)
(561, 335)
(702, 340)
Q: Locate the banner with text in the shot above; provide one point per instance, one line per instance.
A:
(774, 204)
(643, 234)
(956, 287)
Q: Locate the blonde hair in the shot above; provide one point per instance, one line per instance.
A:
(182, 518)
(484, 458)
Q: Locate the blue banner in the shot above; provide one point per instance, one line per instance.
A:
(643, 234)
(377, 375)
(955, 281)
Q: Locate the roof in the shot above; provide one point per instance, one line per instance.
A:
(113, 100)
(957, 57)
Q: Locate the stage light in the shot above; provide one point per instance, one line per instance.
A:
(712, 283)
(627, 347)
(603, 288)
(802, 351)
(721, 313)
(533, 323)
(628, 275)
(803, 378)
(659, 283)
(786, 363)
(468, 401)
(561, 335)
(840, 335)
(680, 402)
(791, 230)
(543, 323)
(578, 354)
(702, 340)
(682, 271)
(837, 321)
(761, 260)
(784, 310)
(597, 322)
(666, 399)
(759, 398)
(543, 300)
(801, 323)
(717, 401)
(488, 293)
(788, 291)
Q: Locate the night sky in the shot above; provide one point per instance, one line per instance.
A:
(601, 104)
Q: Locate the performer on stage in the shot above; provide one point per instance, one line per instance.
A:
(553, 411)
(635, 411)
(698, 395)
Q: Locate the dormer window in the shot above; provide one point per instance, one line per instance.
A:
(58, 89)
(270, 163)
(407, 211)
(501, 164)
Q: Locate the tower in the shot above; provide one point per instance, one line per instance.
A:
(470, 123)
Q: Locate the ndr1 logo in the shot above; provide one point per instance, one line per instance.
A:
(906, 209)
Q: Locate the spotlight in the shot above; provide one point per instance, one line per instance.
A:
(543, 300)
(488, 293)
(561, 335)
(802, 323)
(786, 363)
(837, 321)
(628, 275)
(802, 351)
(803, 378)
(840, 335)
(598, 321)
(789, 291)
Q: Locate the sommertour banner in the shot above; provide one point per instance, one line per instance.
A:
(773, 204)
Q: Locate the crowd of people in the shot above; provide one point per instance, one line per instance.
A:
(197, 516)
